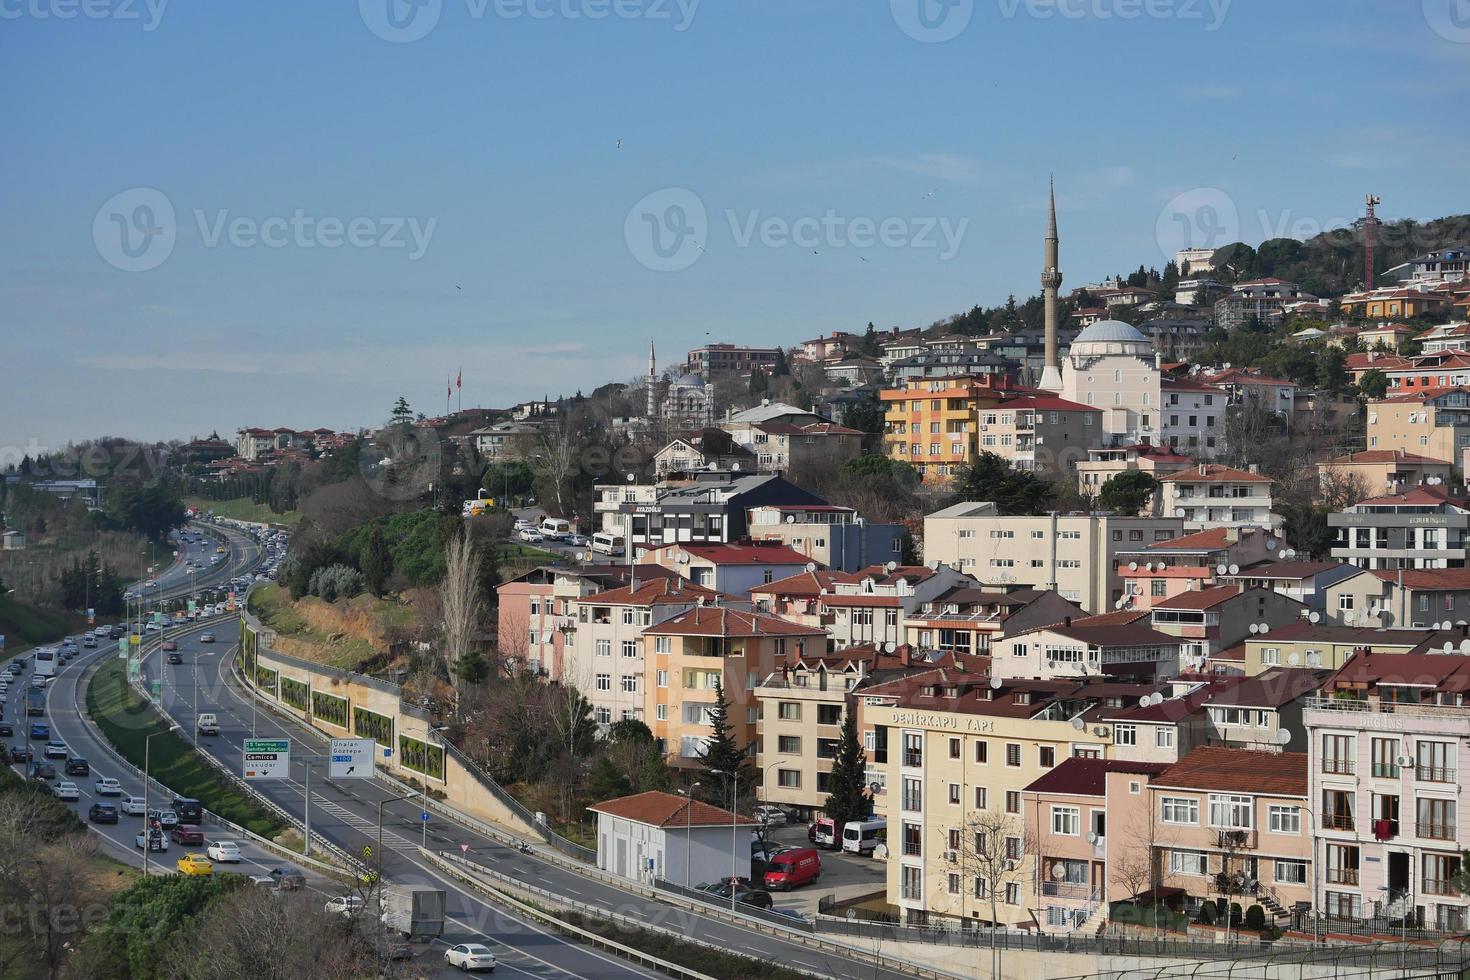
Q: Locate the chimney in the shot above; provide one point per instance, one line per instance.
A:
(1067, 621)
(1202, 469)
(1253, 468)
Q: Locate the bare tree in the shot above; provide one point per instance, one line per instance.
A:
(1135, 865)
(51, 886)
(992, 854)
(460, 597)
(1341, 488)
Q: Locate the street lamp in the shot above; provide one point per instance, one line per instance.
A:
(378, 854)
(734, 842)
(688, 825)
(147, 760)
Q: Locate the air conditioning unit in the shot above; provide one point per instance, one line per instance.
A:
(952, 856)
(1404, 761)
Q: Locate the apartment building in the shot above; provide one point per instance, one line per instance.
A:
(1275, 395)
(733, 569)
(1040, 434)
(1164, 569)
(934, 425)
(1380, 470)
(1081, 648)
(777, 447)
(1212, 495)
(712, 360)
(802, 706)
(1190, 416)
(692, 653)
(872, 605)
(796, 598)
(1423, 527)
(604, 654)
(1261, 300)
(1418, 598)
(1215, 619)
(833, 537)
(1432, 421)
(1234, 824)
(1103, 464)
(1305, 581)
(1323, 645)
(968, 621)
(954, 753)
(1386, 736)
(1075, 555)
(704, 508)
(708, 449)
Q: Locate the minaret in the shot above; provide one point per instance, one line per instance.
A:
(652, 380)
(1051, 281)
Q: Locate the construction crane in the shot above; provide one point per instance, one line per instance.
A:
(1370, 240)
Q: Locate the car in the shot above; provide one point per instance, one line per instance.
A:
(116, 633)
(576, 540)
(224, 852)
(187, 834)
(20, 753)
(262, 881)
(157, 841)
(67, 791)
(175, 658)
(77, 766)
(102, 813)
(167, 819)
(470, 956)
(344, 904)
(288, 879)
(107, 786)
(89, 640)
(133, 806)
(206, 637)
(7, 730)
(169, 645)
(195, 864)
(56, 750)
(40, 731)
(532, 536)
(771, 815)
(100, 631)
(43, 770)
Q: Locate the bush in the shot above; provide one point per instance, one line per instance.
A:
(1255, 917)
(336, 582)
(1206, 914)
(1235, 914)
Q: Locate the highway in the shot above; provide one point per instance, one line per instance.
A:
(346, 813)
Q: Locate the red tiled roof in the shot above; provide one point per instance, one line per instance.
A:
(1188, 384)
(1203, 599)
(1045, 404)
(802, 583)
(1428, 579)
(1368, 456)
(1088, 777)
(881, 576)
(1214, 473)
(752, 553)
(659, 809)
(1420, 495)
(1212, 540)
(1237, 376)
(1419, 396)
(1239, 770)
(726, 622)
(661, 591)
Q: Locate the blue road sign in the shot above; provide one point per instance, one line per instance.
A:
(424, 816)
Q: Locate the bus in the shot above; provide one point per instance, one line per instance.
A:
(608, 543)
(45, 663)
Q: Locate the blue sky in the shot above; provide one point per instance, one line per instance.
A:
(849, 166)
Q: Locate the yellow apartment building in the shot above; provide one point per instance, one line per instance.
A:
(934, 425)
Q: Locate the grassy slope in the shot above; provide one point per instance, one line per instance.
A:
(25, 626)
(300, 632)
(244, 509)
(126, 720)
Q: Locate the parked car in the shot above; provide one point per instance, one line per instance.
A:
(194, 864)
(470, 956)
(224, 852)
(107, 786)
(771, 815)
(77, 766)
(102, 813)
(67, 791)
(187, 834)
(531, 536)
(157, 841)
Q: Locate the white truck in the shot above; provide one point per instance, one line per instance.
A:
(413, 911)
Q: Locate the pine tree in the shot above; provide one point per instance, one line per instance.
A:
(401, 414)
(847, 801)
(723, 758)
(376, 563)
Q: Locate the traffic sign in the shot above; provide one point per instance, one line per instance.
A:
(267, 758)
(352, 758)
(424, 816)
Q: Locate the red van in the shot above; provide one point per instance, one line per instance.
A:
(792, 869)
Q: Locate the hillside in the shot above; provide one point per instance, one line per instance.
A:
(25, 626)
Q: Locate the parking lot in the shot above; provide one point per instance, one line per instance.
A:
(843, 875)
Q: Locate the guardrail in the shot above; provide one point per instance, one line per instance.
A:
(794, 923)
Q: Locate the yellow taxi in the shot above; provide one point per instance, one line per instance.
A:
(195, 864)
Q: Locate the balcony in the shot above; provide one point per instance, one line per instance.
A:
(1342, 876)
(1432, 830)
(914, 760)
(1434, 774)
(1385, 770)
(1235, 840)
(1439, 886)
(1063, 889)
(1338, 767)
(912, 848)
(1337, 821)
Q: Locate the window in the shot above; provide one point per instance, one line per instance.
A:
(630, 648)
(1270, 657)
(1013, 801)
(1290, 872)
(982, 751)
(1284, 820)
(604, 648)
(954, 794)
(1125, 734)
(1188, 862)
(912, 883)
(1436, 819)
(788, 778)
(628, 683)
(1013, 754)
(663, 644)
(604, 682)
(788, 710)
(1232, 812)
(829, 714)
(1337, 754)
(1013, 894)
(913, 795)
(1179, 810)
(954, 748)
(788, 744)
(1066, 820)
(603, 716)
(628, 617)
(982, 798)
(661, 712)
(1163, 738)
(1046, 756)
(663, 678)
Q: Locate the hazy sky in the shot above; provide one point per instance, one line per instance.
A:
(271, 213)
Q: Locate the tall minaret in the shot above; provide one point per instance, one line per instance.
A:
(1051, 281)
(652, 382)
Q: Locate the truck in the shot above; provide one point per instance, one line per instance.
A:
(413, 911)
(36, 702)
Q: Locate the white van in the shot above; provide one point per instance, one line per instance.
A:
(862, 838)
(554, 528)
(608, 543)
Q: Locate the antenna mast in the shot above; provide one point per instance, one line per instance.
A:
(1370, 240)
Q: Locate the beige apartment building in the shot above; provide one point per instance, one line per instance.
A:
(1210, 495)
(1075, 555)
(1433, 422)
(1040, 434)
(953, 753)
(691, 654)
(1102, 465)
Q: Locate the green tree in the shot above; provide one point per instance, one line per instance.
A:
(509, 479)
(847, 799)
(152, 509)
(1373, 384)
(374, 561)
(401, 413)
(865, 415)
(1332, 370)
(723, 758)
(1014, 492)
(1128, 492)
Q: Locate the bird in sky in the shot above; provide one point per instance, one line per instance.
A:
(620, 144)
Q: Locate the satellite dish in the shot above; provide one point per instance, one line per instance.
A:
(1179, 511)
(1291, 553)
(1265, 628)
(995, 683)
(1271, 542)
(1234, 569)
(890, 566)
(890, 646)
(1293, 660)
(1222, 569)
(1078, 724)
(1314, 659)
(1282, 554)
(1058, 871)
(811, 566)
(1314, 616)
(1092, 837)
(1255, 629)
(581, 556)
(1149, 566)
(1465, 646)
(1449, 647)
(790, 518)
(1133, 566)
(1282, 736)
(735, 467)
(934, 564)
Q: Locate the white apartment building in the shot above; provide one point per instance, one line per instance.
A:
(1211, 495)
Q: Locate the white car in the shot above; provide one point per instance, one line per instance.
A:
(67, 791)
(133, 805)
(470, 956)
(100, 631)
(107, 786)
(532, 536)
(344, 904)
(224, 852)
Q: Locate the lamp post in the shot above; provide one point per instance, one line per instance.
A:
(424, 824)
(378, 854)
(1316, 906)
(688, 825)
(734, 841)
(147, 760)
